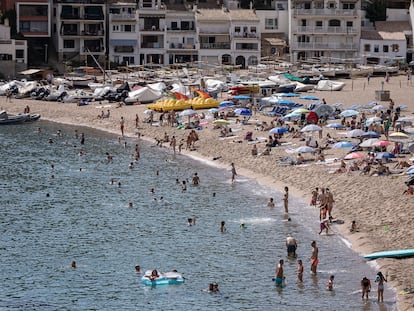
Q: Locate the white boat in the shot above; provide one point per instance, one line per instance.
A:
(80, 81)
(300, 87)
(143, 95)
(328, 85)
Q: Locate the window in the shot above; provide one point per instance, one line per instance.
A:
(123, 49)
(367, 47)
(237, 29)
(395, 48)
(332, 5)
(385, 48)
(174, 25)
(185, 25)
(127, 28)
(19, 53)
(348, 6)
(349, 24)
(334, 23)
(376, 48)
(271, 23)
(253, 29)
(69, 44)
(318, 24)
(115, 27)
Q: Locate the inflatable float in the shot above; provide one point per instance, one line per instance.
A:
(164, 278)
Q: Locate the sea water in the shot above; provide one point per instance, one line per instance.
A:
(51, 216)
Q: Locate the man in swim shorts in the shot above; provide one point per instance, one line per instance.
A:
(365, 287)
(291, 246)
(279, 273)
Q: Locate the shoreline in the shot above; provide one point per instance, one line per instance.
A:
(357, 197)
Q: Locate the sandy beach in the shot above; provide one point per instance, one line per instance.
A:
(382, 212)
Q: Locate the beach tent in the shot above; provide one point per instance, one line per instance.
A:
(312, 118)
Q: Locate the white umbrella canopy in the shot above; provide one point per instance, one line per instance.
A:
(355, 133)
(368, 143)
(311, 128)
(303, 149)
(187, 113)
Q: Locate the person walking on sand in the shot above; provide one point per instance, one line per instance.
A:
(286, 200)
(122, 125)
(233, 173)
(136, 121)
(279, 273)
(380, 279)
(314, 257)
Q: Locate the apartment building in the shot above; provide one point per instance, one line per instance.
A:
(123, 31)
(13, 53)
(79, 29)
(228, 37)
(326, 29)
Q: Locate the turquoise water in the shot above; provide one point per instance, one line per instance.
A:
(87, 219)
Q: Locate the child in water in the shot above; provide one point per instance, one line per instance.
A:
(330, 283)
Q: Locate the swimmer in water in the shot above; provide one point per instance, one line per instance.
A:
(196, 179)
(271, 203)
(73, 264)
(223, 228)
(329, 285)
(137, 268)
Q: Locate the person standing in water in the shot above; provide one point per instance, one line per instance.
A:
(279, 273)
(233, 173)
(223, 227)
(286, 200)
(380, 279)
(314, 257)
(365, 287)
(196, 179)
(300, 270)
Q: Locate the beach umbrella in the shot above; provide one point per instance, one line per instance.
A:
(226, 103)
(243, 112)
(354, 155)
(384, 155)
(187, 113)
(309, 97)
(368, 143)
(337, 104)
(355, 133)
(371, 134)
(377, 107)
(283, 102)
(241, 97)
(311, 128)
(323, 110)
(291, 116)
(369, 121)
(381, 143)
(303, 149)
(149, 111)
(335, 125)
(213, 110)
(278, 130)
(300, 110)
(349, 113)
(288, 95)
(342, 144)
(399, 135)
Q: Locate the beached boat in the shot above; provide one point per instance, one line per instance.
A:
(166, 278)
(328, 85)
(6, 118)
(391, 254)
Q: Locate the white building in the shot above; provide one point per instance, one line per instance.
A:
(228, 37)
(13, 53)
(386, 44)
(326, 29)
(123, 47)
(79, 29)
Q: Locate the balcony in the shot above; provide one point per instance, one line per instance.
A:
(176, 29)
(151, 28)
(69, 33)
(80, 1)
(215, 46)
(93, 49)
(182, 46)
(324, 12)
(97, 17)
(326, 30)
(122, 17)
(324, 46)
(96, 33)
(152, 45)
(69, 16)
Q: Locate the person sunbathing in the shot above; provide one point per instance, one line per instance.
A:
(354, 167)
(402, 164)
(366, 169)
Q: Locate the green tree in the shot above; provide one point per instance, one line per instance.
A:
(376, 10)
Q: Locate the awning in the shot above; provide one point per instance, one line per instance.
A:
(275, 41)
(30, 71)
(122, 42)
